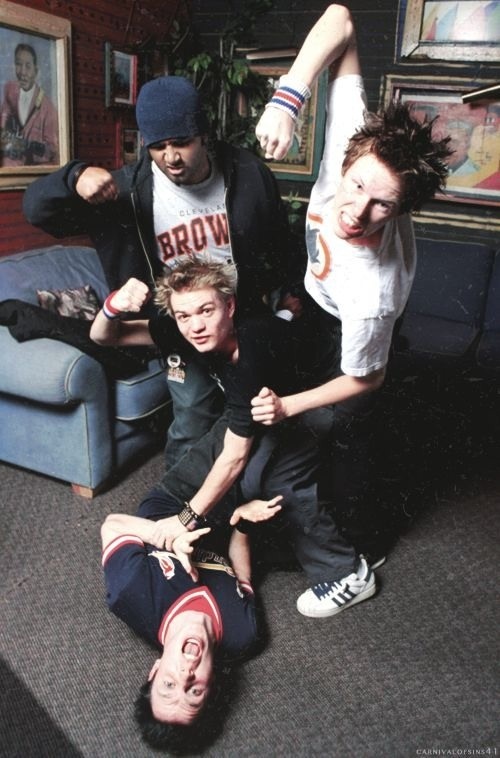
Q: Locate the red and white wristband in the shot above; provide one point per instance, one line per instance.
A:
(290, 96)
(109, 310)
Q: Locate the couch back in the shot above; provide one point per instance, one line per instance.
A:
(451, 281)
(48, 268)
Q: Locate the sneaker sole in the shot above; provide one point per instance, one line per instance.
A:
(324, 613)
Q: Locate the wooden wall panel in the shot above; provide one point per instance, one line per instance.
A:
(93, 22)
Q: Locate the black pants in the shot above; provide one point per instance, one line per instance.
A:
(284, 461)
(349, 473)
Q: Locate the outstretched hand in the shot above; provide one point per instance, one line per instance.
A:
(257, 510)
(131, 297)
(183, 548)
(275, 133)
(267, 407)
(96, 185)
(165, 531)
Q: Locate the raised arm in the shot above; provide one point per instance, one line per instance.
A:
(61, 202)
(239, 546)
(108, 329)
(330, 43)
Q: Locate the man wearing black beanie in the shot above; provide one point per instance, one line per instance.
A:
(180, 198)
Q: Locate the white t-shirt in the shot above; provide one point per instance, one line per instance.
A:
(190, 219)
(366, 289)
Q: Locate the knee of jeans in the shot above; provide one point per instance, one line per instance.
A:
(300, 513)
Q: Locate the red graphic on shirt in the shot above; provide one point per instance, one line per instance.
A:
(167, 566)
(199, 235)
(319, 255)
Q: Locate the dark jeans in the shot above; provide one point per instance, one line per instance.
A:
(348, 475)
(196, 404)
(284, 461)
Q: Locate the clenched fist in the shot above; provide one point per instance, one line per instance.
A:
(96, 185)
(131, 297)
(275, 133)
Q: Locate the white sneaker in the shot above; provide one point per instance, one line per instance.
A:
(329, 598)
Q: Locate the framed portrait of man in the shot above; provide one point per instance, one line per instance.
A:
(34, 94)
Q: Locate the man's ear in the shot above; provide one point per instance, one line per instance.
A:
(153, 671)
(231, 306)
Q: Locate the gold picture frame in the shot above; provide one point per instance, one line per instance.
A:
(35, 104)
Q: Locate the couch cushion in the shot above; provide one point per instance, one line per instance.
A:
(492, 314)
(447, 301)
(451, 280)
(435, 336)
(142, 394)
(55, 267)
(488, 351)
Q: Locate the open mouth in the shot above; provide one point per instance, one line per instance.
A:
(191, 648)
(349, 226)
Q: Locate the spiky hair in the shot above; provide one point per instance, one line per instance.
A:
(407, 147)
(195, 273)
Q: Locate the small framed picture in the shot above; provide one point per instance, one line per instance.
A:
(128, 145)
(121, 77)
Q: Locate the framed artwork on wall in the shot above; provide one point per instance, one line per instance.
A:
(35, 105)
(128, 145)
(303, 159)
(121, 77)
(458, 30)
(474, 128)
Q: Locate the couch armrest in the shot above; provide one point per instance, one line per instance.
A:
(48, 371)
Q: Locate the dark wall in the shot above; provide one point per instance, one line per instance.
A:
(129, 23)
(376, 25)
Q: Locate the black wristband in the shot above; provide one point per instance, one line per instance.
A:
(245, 527)
(79, 171)
(187, 516)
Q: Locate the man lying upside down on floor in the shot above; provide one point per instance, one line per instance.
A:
(194, 602)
